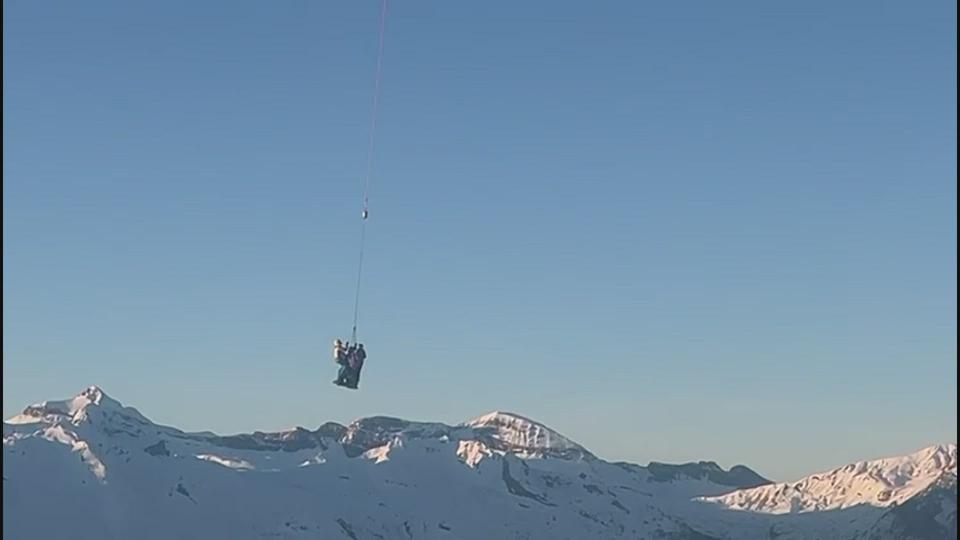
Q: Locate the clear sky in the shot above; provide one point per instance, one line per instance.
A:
(672, 231)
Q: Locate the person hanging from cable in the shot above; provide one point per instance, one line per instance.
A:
(340, 356)
(351, 362)
(356, 364)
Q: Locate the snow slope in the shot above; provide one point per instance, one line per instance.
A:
(89, 467)
(508, 432)
(929, 515)
(882, 482)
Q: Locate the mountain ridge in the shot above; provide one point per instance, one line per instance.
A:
(92, 454)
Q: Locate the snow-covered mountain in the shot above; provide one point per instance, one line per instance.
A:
(905, 497)
(882, 482)
(89, 467)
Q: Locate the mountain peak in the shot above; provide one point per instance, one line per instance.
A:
(76, 409)
(493, 418)
(520, 435)
(942, 456)
(94, 394)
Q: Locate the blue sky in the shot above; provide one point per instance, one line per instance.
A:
(672, 232)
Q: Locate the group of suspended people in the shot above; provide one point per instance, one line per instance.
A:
(350, 358)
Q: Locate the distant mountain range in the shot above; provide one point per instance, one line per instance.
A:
(89, 467)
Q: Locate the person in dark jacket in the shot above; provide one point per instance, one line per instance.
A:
(356, 364)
